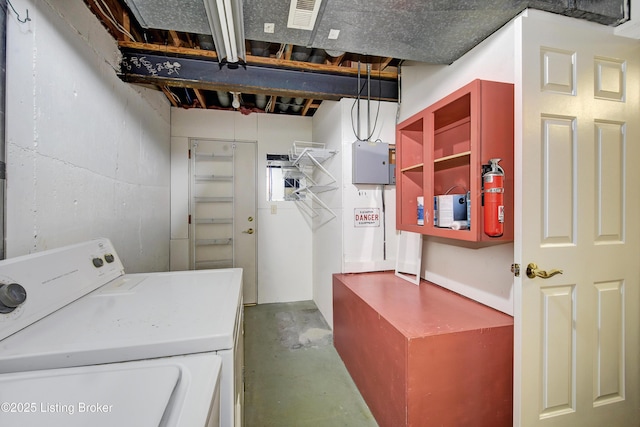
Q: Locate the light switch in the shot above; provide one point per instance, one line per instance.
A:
(274, 209)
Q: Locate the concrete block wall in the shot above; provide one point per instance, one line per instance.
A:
(87, 155)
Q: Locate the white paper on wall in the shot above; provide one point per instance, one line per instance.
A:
(409, 256)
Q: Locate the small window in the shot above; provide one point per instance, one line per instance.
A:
(283, 179)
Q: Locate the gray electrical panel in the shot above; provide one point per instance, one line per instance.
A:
(370, 162)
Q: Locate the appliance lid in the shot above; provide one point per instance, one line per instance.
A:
(176, 391)
(136, 316)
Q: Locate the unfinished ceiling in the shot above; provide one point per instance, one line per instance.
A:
(290, 70)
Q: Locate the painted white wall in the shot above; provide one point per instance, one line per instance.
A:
(339, 246)
(87, 154)
(285, 238)
(367, 248)
(284, 234)
(481, 274)
(328, 238)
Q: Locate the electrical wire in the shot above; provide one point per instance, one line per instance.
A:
(399, 103)
(173, 95)
(357, 100)
(111, 18)
(22, 21)
(384, 226)
(375, 123)
(456, 186)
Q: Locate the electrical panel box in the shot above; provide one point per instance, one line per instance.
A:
(370, 162)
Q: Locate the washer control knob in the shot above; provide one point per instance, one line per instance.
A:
(109, 258)
(98, 262)
(11, 296)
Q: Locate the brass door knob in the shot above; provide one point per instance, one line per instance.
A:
(534, 271)
(249, 231)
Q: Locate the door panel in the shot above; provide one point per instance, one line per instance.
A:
(577, 333)
(609, 184)
(223, 209)
(558, 350)
(608, 372)
(558, 180)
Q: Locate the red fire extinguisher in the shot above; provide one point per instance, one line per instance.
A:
(493, 180)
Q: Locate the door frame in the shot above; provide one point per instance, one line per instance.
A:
(250, 297)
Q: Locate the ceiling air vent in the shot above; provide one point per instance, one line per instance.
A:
(303, 14)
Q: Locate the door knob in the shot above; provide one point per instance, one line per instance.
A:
(249, 231)
(534, 271)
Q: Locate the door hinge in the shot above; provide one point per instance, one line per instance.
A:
(189, 153)
(189, 219)
(515, 269)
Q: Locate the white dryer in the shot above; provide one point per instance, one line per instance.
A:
(75, 309)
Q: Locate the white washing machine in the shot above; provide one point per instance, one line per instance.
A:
(70, 318)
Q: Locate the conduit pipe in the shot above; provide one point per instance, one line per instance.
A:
(3, 142)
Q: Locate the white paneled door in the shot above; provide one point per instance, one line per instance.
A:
(223, 209)
(577, 332)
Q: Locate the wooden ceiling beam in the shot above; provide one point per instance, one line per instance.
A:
(383, 64)
(337, 60)
(201, 98)
(288, 52)
(271, 104)
(306, 107)
(175, 38)
(126, 23)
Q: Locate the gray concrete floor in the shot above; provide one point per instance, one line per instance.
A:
(293, 374)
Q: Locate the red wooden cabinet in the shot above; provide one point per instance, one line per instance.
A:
(423, 355)
(410, 157)
(441, 150)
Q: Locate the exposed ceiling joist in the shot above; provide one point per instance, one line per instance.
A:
(381, 33)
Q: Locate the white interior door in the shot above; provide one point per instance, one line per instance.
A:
(576, 333)
(223, 209)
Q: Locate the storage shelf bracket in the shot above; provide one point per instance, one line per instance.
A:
(308, 157)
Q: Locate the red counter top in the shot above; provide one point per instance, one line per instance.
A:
(423, 355)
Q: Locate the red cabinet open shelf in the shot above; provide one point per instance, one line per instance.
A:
(441, 150)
